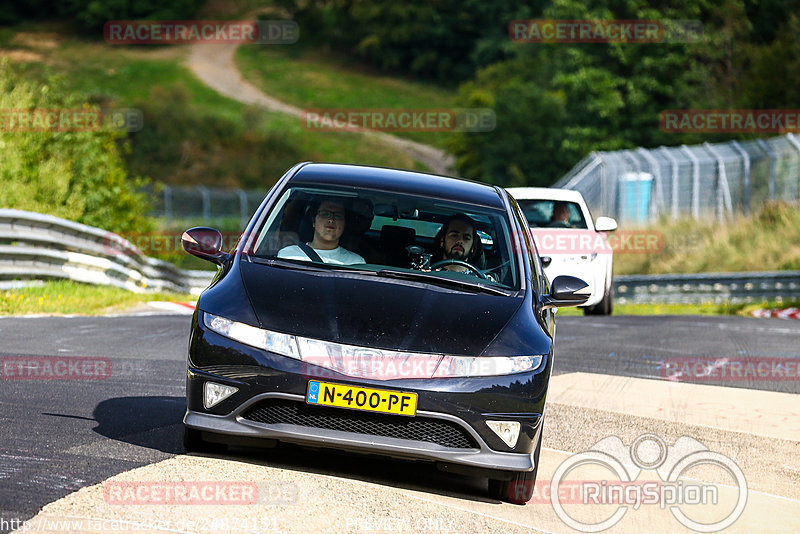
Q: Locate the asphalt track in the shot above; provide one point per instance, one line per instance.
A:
(57, 436)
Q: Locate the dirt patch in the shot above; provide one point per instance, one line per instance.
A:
(21, 56)
(36, 40)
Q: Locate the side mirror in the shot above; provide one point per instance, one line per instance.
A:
(546, 260)
(205, 243)
(564, 292)
(605, 224)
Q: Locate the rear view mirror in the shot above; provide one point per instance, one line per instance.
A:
(605, 224)
(205, 243)
(566, 291)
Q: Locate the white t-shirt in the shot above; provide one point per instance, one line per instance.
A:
(339, 255)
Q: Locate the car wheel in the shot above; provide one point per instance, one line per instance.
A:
(193, 442)
(518, 490)
(605, 306)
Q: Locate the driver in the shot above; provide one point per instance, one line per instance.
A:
(457, 239)
(328, 221)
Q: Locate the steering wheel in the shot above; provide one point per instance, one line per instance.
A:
(469, 266)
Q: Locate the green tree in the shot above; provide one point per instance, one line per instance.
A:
(76, 175)
(557, 102)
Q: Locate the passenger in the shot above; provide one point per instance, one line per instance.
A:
(457, 239)
(560, 218)
(328, 221)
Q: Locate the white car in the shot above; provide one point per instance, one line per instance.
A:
(570, 242)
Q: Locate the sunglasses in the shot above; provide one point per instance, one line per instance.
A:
(336, 216)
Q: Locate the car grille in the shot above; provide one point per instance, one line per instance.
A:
(442, 433)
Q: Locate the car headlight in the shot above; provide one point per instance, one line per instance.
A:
(469, 366)
(283, 344)
(368, 362)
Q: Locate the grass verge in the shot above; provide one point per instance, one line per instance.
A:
(690, 309)
(67, 297)
(769, 240)
(191, 134)
(311, 78)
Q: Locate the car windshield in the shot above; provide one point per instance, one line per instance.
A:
(391, 234)
(553, 214)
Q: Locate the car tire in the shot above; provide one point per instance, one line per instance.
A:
(518, 490)
(605, 306)
(193, 442)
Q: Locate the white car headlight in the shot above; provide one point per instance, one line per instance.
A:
(368, 362)
(470, 366)
(250, 335)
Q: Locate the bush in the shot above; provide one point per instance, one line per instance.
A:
(91, 15)
(76, 175)
(183, 144)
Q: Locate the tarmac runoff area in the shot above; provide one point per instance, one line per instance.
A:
(758, 432)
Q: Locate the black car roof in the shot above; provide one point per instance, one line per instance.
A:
(401, 181)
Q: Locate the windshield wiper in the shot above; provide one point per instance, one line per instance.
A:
(308, 265)
(434, 279)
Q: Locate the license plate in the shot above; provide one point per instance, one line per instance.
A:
(360, 398)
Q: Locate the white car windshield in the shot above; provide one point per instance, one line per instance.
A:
(553, 214)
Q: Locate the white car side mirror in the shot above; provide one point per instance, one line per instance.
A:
(605, 224)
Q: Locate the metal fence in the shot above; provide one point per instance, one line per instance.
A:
(634, 186)
(709, 180)
(206, 203)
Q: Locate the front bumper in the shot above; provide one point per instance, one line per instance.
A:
(466, 403)
(480, 457)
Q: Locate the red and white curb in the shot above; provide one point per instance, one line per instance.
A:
(183, 308)
(787, 313)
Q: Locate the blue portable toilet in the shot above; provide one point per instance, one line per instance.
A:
(634, 197)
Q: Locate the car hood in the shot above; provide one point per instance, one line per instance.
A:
(375, 312)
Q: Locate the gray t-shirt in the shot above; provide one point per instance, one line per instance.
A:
(339, 255)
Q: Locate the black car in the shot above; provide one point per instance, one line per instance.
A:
(379, 311)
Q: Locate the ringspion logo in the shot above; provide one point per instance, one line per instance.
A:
(621, 486)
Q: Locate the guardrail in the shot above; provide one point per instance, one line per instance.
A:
(714, 288)
(34, 246)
